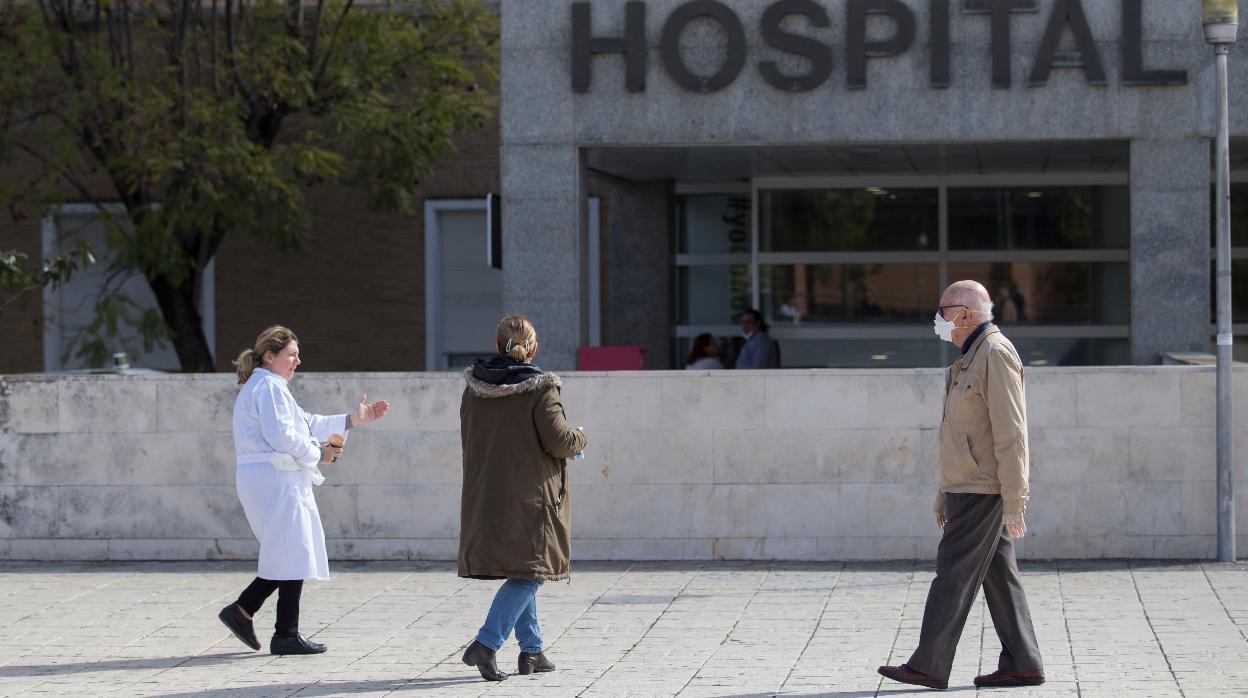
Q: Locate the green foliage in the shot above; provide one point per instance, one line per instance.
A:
(105, 335)
(213, 118)
(19, 278)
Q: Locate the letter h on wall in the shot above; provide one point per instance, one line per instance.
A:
(585, 46)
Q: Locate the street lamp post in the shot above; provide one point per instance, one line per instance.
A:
(1221, 22)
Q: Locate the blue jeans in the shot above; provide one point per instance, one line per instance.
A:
(515, 606)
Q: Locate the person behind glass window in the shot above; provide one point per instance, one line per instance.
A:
(758, 351)
(792, 309)
(1006, 314)
(705, 354)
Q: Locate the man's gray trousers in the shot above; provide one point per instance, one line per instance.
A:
(975, 551)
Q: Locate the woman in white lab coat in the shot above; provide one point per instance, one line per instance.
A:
(278, 447)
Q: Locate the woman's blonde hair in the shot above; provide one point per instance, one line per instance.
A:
(517, 339)
(273, 339)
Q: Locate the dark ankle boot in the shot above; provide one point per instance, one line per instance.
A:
(530, 663)
(483, 659)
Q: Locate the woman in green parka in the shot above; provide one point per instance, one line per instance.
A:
(515, 515)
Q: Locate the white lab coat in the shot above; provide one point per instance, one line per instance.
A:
(270, 429)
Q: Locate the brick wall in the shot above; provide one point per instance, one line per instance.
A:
(21, 323)
(354, 294)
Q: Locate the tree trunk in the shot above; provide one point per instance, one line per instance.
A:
(181, 313)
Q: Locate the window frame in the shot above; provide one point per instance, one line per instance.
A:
(51, 297)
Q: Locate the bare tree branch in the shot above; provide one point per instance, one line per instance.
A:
(69, 178)
(333, 40)
(232, 36)
(294, 18)
(229, 27)
(44, 11)
(114, 42)
(213, 57)
(128, 27)
(316, 34)
(58, 171)
(177, 48)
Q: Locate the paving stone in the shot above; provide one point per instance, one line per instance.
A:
(647, 629)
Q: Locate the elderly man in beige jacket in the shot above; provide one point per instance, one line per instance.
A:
(980, 505)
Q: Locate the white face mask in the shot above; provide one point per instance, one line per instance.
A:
(943, 328)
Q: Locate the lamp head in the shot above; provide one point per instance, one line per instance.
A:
(1221, 21)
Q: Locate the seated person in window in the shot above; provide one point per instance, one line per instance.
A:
(705, 354)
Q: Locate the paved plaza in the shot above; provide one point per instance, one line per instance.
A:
(647, 628)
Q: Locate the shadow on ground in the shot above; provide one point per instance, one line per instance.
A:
(330, 688)
(127, 664)
(850, 694)
(434, 683)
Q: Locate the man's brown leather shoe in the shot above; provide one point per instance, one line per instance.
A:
(1001, 679)
(905, 674)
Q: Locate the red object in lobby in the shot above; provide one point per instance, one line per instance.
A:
(611, 359)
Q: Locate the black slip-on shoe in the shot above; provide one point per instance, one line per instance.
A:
(295, 645)
(535, 663)
(232, 617)
(483, 658)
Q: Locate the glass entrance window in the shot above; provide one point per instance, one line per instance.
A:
(1239, 267)
(824, 254)
(850, 220)
(1039, 218)
(850, 293)
(1053, 293)
(713, 269)
(712, 294)
(851, 276)
(1239, 290)
(714, 224)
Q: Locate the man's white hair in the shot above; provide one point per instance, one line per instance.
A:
(981, 307)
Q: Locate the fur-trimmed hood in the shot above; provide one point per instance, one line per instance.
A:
(482, 389)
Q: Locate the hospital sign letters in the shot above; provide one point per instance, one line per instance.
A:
(1064, 16)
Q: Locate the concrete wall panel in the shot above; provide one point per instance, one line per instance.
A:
(679, 466)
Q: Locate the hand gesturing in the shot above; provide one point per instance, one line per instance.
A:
(365, 413)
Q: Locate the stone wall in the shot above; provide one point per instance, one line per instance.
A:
(804, 465)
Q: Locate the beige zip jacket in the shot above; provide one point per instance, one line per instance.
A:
(983, 433)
